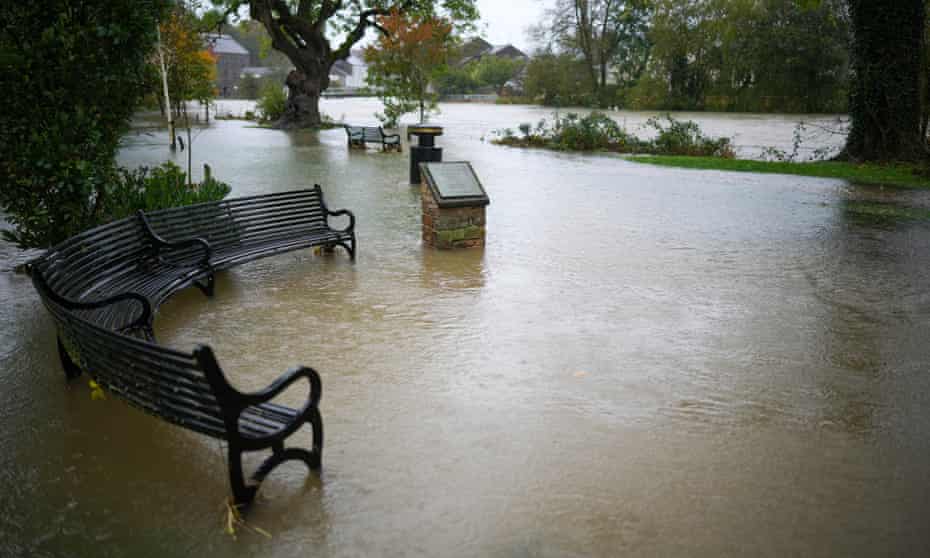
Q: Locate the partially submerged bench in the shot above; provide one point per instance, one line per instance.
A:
(103, 287)
(359, 136)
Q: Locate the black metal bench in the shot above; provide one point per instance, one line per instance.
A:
(103, 286)
(359, 136)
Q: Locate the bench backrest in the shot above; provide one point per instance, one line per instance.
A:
(373, 134)
(84, 266)
(158, 380)
(242, 221)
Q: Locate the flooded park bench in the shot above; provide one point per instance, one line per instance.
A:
(103, 286)
(359, 136)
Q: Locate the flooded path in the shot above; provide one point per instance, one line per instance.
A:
(643, 361)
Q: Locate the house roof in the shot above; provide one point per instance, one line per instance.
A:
(506, 50)
(225, 44)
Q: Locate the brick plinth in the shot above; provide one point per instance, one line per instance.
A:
(451, 227)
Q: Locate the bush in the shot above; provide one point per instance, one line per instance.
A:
(599, 132)
(71, 74)
(684, 137)
(272, 102)
(160, 187)
(594, 131)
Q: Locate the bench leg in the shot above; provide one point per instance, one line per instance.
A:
(279, 454)
(243, 493)
(206, 286)
(72, 370)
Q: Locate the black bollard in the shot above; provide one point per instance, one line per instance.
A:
(425, 151)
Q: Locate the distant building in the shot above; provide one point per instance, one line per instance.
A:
(478, 48)
(351, 72)
(231, 59)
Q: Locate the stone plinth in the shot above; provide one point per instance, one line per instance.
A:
(453, 206)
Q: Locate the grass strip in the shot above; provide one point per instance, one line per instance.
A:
(897, 174)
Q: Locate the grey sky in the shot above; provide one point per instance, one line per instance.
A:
(505, 21)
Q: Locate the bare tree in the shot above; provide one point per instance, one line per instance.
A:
(603, 33)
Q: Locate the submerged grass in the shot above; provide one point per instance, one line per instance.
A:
(902, 175)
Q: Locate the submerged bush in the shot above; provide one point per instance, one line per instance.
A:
(272, 102)
(684, 137)
(159, 188)
(599, 132)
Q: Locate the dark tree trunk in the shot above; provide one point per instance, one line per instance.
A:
(885, 94)
(303, 100)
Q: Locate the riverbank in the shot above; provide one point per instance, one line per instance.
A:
(901, 175)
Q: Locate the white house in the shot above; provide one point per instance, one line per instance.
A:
(351, 72)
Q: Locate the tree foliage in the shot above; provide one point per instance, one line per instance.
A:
(71, 74)
(406, 58)
(602, 33)
(769, 55)
(558, 80)
(496, 71)
(303, 30)
(191, 67)
(889, 73)
(744, 55)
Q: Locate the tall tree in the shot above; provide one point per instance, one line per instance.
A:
(406, 58)
(301, 29)
(603, 32)
(885, 97)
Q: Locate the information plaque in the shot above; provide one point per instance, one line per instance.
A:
(454, 184)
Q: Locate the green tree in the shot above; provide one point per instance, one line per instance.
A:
(885, 95)
(456, 80)
(191, 67)
(603, 33)
(301, 29)
(557, 79)
(410, 54)
(71, 74)
(496, 71)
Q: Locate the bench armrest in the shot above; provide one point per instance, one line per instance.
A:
(283, 382)
(393, 136)
(337, 213)
(142, 321)
(160, 242)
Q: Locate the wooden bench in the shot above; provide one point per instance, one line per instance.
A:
(103, 287)
(359, 136)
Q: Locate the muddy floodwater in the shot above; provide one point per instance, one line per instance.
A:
(642, 361)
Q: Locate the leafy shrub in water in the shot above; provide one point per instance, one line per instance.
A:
(599, 132)
(160, 187)
(592, 132)
(272, 102)
(684, 137)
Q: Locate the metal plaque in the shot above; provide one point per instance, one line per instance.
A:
(454, 184)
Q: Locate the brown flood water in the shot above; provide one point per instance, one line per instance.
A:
(642, 362)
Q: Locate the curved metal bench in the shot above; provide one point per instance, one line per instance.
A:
(103, 286)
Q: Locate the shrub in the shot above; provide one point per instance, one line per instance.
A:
(594, 131)
(684, 137)
(272, 102)
(71, 74)
(159, 187)
(597, 131)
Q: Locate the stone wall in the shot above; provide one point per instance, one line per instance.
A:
(451, 227)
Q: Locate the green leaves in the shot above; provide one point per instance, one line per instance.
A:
(70, 77)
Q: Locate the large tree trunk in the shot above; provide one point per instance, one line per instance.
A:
(303, 100)
(885, 94)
